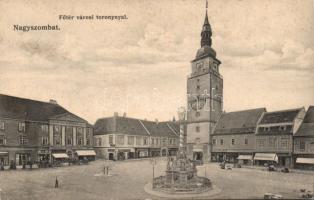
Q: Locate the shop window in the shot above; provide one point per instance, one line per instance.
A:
(2, 125)
(21, 127)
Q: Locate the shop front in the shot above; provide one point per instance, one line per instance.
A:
(111, 154)
(245, 159)
(142, 153)
(4, 158)
(154, 152)
(198, 156)
(23, 157)
(217, 157)
(60, 158)
(43, 157)
(304, 162)
(173, 151)
(265, 158)
(85, 155)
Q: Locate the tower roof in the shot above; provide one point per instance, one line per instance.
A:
(206, 40)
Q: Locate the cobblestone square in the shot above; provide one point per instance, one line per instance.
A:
(127, 180)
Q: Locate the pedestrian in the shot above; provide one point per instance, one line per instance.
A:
(57, 183)
(105, 170)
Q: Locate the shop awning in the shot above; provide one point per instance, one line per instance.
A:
(86, 153)
(60, 155)
(2, 153)
(245, 157)
(197, 150)
(266, 156)
(305, 160)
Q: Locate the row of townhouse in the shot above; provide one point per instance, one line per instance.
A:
(121, 137)
(41, 132)
(256, 136)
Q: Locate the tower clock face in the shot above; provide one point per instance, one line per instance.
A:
(199, 65)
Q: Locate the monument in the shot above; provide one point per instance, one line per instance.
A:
(181, 173)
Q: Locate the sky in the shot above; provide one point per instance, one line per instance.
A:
(94, 68)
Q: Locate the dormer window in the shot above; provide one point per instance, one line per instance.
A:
(282, 128)
(267, 129)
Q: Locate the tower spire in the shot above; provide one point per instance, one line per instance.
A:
(206, 31)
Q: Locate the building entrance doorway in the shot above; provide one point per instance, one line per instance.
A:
(164, 152)
(22, 158)
(198, 156)
(111, 157)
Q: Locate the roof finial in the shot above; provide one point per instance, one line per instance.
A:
(206, 5)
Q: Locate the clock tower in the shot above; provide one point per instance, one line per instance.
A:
(204, 98)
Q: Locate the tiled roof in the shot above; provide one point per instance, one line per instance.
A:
(27, 109)
(307, 127)
(104, 125)
(283, 116)
(244, 121)
(161, 129)
(131, 126)
(278, 130)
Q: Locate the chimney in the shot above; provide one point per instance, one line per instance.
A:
(174, 119)
(124, 114)
(145, 119)
(52, 101)
(115, 114)
(156, 120)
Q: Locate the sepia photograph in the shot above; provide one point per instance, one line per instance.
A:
(147, 100)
